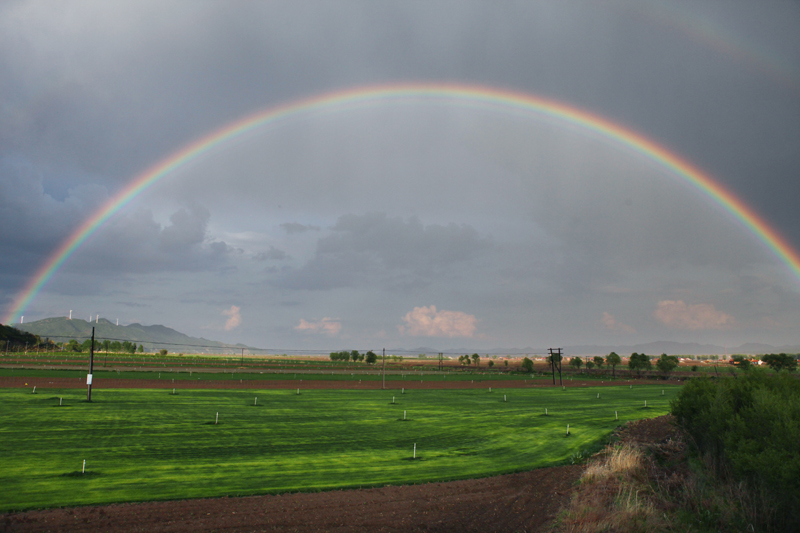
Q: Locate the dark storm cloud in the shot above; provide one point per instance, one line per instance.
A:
(136, 243)
(373, 247)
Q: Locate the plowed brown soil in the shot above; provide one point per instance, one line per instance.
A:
(514, 502)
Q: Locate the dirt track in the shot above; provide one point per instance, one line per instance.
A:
(262, 384)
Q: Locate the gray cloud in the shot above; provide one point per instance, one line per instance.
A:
(273, 254)
(374, 247)
(295, 227)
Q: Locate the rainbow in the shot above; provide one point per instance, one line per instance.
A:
(480, 97)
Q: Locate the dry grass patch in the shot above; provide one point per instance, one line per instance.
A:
(614, 495)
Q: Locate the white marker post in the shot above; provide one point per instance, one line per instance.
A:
(415, 450)
(34, 389)
(173, 391)
(662, 392)
(59, 401)
(403, 390)
(216, 420)
(404, 415)
(392, 399)
(567, 429)
(504, 398)
(255, 402)
(598, 395)
(298, 392)
(545, 411)
(83, 470)
(645, 403)
(616, 416)
(490, 389)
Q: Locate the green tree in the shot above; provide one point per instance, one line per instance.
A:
(476, 359)
(599, 361)
(163, 351)
(613, 359)
(576, 363)
(590, 364)
(106, 345)
(141, 348)
(741, 361)
(666, 364)
(780, 362)
(639, 362)
(371, 357)
(527, 365)
(354, 355)
(490, 363)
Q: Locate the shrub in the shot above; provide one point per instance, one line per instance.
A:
(750, 427)
(162, 351)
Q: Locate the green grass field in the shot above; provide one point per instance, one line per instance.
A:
(150, 444)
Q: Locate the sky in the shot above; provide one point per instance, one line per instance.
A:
(406, 223)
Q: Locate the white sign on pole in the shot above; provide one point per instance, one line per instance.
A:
(88, 379)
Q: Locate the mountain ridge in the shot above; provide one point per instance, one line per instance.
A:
(151, 337)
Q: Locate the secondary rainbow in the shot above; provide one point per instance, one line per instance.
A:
(489, 98)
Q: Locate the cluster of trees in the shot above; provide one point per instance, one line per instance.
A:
(105, 345)
(611, 360)
(747, 428)
(776, 361)
(370, 357)
(469, 359)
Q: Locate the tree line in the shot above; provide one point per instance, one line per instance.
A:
(369, 357)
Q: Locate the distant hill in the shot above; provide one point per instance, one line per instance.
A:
(15, 336)
(151, 337)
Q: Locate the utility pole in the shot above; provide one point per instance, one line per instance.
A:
(555, 358)
(384, 368)
(91, 367)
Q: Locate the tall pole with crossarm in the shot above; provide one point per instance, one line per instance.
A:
(91, 367)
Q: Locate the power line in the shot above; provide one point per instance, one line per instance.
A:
(270, 350)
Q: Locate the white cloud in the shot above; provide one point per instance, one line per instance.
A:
(677, 314)
(428, 322)
(327, 326)
(235, 318)
(612, 324)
